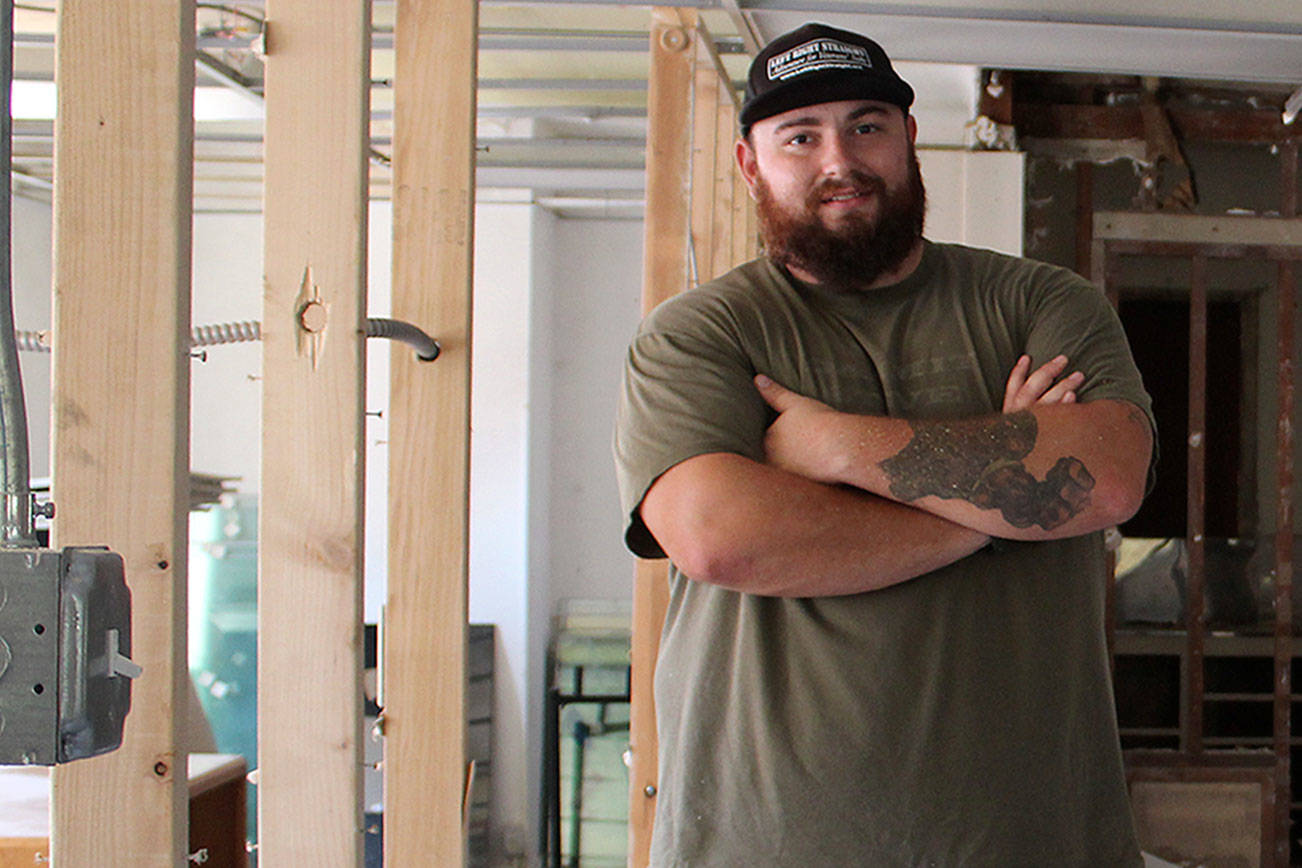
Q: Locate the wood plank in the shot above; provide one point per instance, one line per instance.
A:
(753, 245)
(310, 516)
(429, 436)
(741, 205)
(121, 382)
(1285, 315)
(667, 233)
(1191, 721)
(725, 172)
(24, 852)
(1041, 120)
(704, 156)
(1198, 229)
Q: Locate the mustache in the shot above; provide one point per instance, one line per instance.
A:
(857, 181)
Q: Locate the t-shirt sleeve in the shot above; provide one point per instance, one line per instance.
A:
(1073, 317)
(687, 391)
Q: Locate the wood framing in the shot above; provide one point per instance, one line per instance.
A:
(425, 771)
(669, 249)
(1191, 723)
(695, 208)
(121, 379)
(1196, 229)
(1199, 238)
(310, 512)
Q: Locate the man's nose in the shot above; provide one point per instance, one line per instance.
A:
(837, 157)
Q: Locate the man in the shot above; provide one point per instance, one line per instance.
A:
(882, 503)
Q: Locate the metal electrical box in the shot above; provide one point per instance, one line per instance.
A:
(65, 648)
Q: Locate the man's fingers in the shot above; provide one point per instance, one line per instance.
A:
(778, 396)
(1040, 386)
(1039, 382)
(1066, 386)
(1015, 381)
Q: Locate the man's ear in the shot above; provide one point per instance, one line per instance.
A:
(913, 128)
(747, 164)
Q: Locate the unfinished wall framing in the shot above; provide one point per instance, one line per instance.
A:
(122, 383)
(699, 224)
(1199, 239)
(310, 514)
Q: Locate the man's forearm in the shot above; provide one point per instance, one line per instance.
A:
(1041, 473)
(727, 520)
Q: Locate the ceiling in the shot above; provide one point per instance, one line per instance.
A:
(562, 86)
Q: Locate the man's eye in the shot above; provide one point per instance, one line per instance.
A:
(798, 139)
(867, 128)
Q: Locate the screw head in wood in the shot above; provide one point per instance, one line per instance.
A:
(312, 317)
(673, 39)
(650, 791)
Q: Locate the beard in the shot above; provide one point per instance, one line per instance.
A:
(859, 251)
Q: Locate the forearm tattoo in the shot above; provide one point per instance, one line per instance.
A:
(981, 462)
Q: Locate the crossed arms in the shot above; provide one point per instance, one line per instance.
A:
(846, 503)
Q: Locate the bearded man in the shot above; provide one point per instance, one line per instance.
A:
(882, 501)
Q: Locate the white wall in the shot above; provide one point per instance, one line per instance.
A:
(31, 273)
(556, 302)
(974, 197)
(226, 389)
(500, 514)
(598, 302)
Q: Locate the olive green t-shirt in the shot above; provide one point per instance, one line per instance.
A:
(963, 718)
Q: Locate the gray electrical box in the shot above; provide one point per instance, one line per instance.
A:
(65, 648)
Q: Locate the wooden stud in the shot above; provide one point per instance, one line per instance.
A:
(1198, 229)
(741, 205)
(1288, 172)
(121, 379)
(310, 521)
(1191, 722)
(1096, 270)
(753, 246)
(692, 224)
(429, 436)
(706, 152)
(725, 171)
(665, 273)
(1286, 301)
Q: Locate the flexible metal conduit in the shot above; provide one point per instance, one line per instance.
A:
(16, 527)
(427, 348)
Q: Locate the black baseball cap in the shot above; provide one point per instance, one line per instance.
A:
(817, 63)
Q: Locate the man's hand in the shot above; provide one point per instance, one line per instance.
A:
(1023, 390)
(807, 439)
(803, 438)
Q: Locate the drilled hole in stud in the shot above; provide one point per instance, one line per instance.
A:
(39, 629)
(38, 689)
